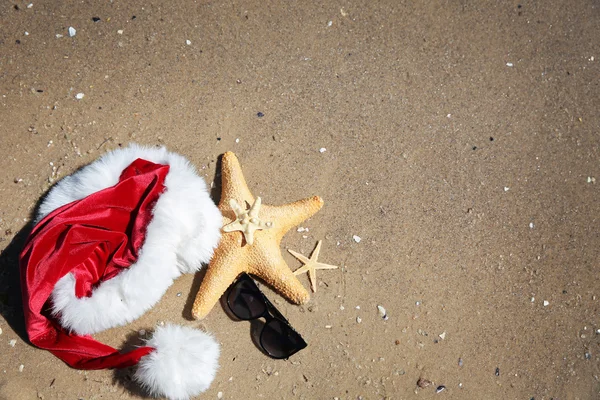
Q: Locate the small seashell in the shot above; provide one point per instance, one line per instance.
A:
(423, 383)
(356, 238)
(382, 313)
(72, 31)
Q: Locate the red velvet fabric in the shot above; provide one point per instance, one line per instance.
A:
(94, 239)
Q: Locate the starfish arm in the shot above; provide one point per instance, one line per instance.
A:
(255, 209)
(249, 234)
(290, 215)
(299, 256)
(233, 226)
(237, 209)
(301, 270)
(233, 183)
(312, 277)
(221, 273)
(316, 251)
(279, 276)
(325, 266)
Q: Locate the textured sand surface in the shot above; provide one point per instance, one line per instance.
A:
(461, 145)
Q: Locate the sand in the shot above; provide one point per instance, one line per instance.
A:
(460, 144)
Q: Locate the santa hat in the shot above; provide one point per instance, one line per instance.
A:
(107, 243)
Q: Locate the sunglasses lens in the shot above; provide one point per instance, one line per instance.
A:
(279, 340)
(245, 301)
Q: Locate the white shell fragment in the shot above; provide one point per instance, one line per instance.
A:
(79, 96)
(442, 335)
(546, 303)
(0, 331)
(12, 343)
(72, 31)
(358, 320)
(188, 42)
(356, 238)
(322, 150)
(382, 313)
(21, 368)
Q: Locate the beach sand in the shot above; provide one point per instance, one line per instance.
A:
(458, 140)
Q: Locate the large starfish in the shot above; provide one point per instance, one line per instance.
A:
(311, 265)
(259, 256)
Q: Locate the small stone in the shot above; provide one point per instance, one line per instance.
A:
(0, 331)
(188, 42)
(546, 303)
(442, 335)
(237, 140)
(322, 150)
(397, 342)
(142, 332)
(423, 383)
(532, 299)
(330, 23)
(96, 19)
(588, 356)
(327, 326)
(440, 388)
(260, 114)
(21, 368)
(497, 372)
(356, 238)
(120, 31)
(460, 362)
(79, 96)
(72, 31)
(12, 343)
(30, 5)
(58, 35)
(220, 395)
(506, 188)
(358, 320)
(509, 64)
(531, 225)
(179, 294)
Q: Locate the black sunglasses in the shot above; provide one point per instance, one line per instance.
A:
(278, 339)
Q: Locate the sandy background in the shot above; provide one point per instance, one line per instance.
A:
(461, 146)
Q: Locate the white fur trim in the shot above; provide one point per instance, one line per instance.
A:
(182, 236)
(183, 365)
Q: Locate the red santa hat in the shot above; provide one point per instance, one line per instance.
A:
(107, 243)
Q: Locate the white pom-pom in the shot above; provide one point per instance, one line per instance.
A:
(183, 365)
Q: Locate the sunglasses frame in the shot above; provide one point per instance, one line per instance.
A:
(270, 313)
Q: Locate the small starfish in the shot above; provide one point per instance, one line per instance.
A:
(311, 265)
(247, 221)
